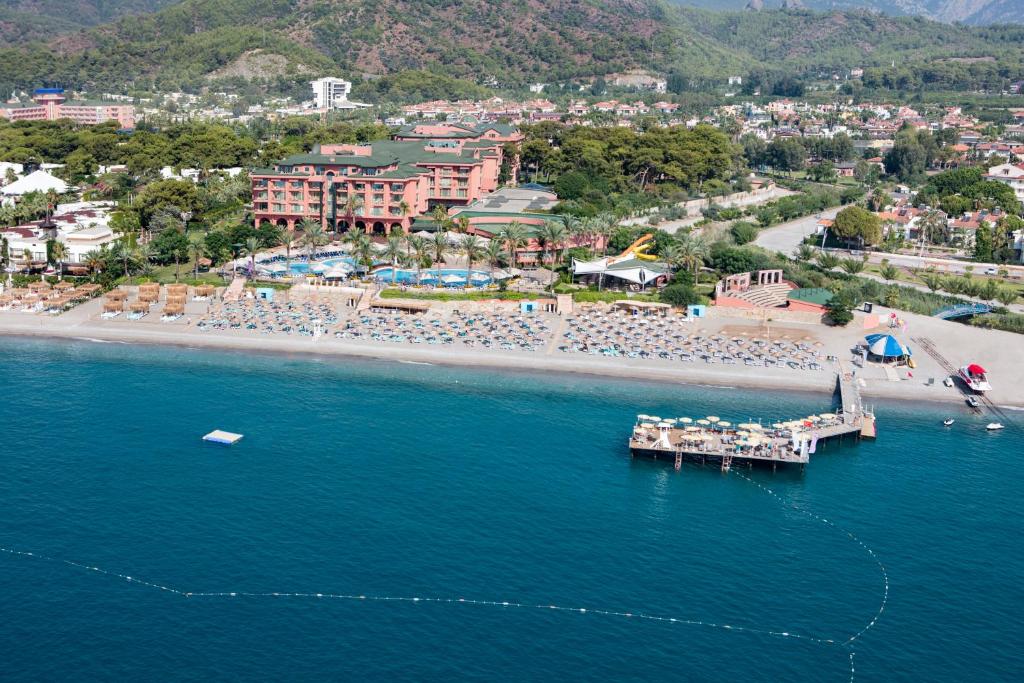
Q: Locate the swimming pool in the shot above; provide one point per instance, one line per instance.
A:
(451, 277)
(302, 267)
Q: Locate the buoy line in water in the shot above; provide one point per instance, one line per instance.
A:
(513, 604)
(849, 642)
(849, 534)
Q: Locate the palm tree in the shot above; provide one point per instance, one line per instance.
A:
(252, 247)
(287, 238)
(197, 250)
(473, 249)
(393, 253)
(852, 265)
(462, 225)
(515, 237)
(932, 281)
(95, 260)
(441, 217)
(362, 250)
(804, 252)
(439, 245)
(827, 260)
(59, 252)
(551, 237)
(888, 271)
(605, 225)
(128, 254)
(692, 252)
(1006, 295)
(313, 236)
(672, 255)
(494, 253)
(353, 203)
(419, 247)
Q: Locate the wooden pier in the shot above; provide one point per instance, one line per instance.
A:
(788, 443)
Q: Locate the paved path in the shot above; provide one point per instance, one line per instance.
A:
(786, 237)
(1016, 308)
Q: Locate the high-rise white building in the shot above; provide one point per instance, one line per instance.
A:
(332, 93)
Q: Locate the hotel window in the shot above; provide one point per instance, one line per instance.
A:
(463, 170)
(463, 183)
(396, 198)
(315, 208)
(278, 208)
(279, 195)
(395, 211)
(295, 195)
(370, 171)
(360, 187)
(397, 187)
(446, 193)
(377, 187)
(446, 182)
(376, 212)
(296, 185)
(460, 193)
(378, 199)
(278, 183)
(296, 208)
(261, 206)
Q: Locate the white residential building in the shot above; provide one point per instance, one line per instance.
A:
(331, 93)
(1009, 174)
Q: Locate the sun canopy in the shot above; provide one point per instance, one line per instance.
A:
(633, 270)
(886, 346)
(976, 369)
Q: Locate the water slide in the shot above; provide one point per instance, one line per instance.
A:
(638, 249)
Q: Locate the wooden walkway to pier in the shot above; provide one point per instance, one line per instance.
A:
(793, 444)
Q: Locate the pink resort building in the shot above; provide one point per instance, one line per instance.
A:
(383, 186)
(50, 104)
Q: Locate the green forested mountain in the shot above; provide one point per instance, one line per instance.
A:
(27, 20)
(967, 11)
(513, 42)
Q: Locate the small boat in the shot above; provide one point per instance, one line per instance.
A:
(975, 377)
(972, 401)
(948, 381)
(948, 421)
(994, 426)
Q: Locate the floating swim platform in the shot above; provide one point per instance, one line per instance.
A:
(219, 436)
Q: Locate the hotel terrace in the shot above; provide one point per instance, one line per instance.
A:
(393, 182)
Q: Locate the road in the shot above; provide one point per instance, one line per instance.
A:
(786, 237)
(1016, 308)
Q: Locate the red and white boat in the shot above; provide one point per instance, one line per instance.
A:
(975, 378)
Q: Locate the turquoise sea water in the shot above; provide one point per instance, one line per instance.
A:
(396, 480)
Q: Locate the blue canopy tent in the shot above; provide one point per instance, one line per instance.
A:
(887, 348)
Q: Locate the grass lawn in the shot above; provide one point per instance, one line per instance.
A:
(165, 275)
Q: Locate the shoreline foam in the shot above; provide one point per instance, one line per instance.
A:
(712, 376)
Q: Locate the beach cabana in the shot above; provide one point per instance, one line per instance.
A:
(887, 349)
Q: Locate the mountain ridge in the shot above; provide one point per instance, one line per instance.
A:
(975, 12)
(517, 42)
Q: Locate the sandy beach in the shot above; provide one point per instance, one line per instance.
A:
(959, 344)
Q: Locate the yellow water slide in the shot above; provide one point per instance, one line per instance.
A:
(639, 249)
